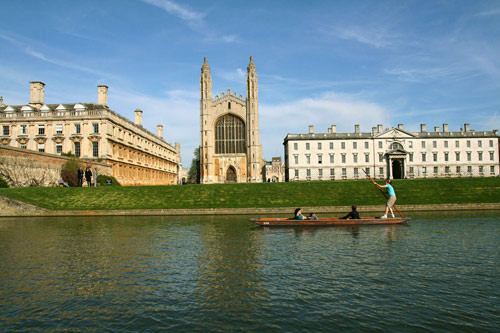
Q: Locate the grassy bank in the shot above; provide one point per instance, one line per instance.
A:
(338, 193)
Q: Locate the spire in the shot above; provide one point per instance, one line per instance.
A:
(1, 101)
(205, 67)
(251, 65)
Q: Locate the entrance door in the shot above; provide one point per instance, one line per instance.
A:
(231, 175)
(397, 169)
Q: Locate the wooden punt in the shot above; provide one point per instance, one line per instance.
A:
(326, 221)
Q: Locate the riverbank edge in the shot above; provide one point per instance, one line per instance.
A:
(13, 208)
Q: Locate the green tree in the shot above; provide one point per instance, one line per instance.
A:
(194, 170)
(69, 171)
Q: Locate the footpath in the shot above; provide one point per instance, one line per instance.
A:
(14, 208)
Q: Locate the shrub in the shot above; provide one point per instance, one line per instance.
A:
(69, 172)
(101, 180)
(3, 182)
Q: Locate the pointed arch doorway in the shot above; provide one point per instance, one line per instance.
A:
(231, 175)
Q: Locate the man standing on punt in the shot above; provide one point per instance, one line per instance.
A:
(392, 197)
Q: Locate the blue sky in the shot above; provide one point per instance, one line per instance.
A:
(318, 62)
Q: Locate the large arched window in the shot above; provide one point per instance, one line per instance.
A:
(229, 135)
(396, 146)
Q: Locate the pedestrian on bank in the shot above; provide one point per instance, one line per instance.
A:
(88, 176)
(391, 200)
(80, 177)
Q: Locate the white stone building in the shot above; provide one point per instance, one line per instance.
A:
(93, 132)
(391, 153)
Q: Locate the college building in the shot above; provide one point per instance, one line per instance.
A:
(391, 153)
(92, 132)
(229, 132)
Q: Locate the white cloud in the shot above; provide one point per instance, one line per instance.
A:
(191, 17)
(377, 36)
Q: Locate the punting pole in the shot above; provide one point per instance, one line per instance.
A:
(383, 193)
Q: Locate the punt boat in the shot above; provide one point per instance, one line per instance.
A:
(327, 221)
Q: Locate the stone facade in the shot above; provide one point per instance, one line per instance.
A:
(92, 131)
(391, 153)
(274, 170)
(229, 131)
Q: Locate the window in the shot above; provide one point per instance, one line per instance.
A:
(6, 129)
(41, 129)
(320, 159)
(320, 172)
(423, 157)
(367, 158)
(492, 156)
(308, 159)
(367, 170)
(435, 170)
(354, 145)
(469, 169)
(95, 127)
(356, 173)
(411, 157)
(22, 146)
(410, 144)
(481, 169)
(332, 172)
(492, 169)
(424, 170)
(24, 130)
(343, 158)
(59, 148)
(480, 143)
(308, 146)
(296, 172)
(41, 147)
(434, 144)
(446, 169)
(396, 146)
(480, 155)
(344, 172)
(457, 156)
(380, 157)
(446, 157)
(59, 129)
(342, 145)
(331, 145)
(457, 144)
(296, 159)
(434, 157)
(458, 169)
(77, 149)
(469, 156)
(380, 144)
(229, 135)
(411, 170)
(355, 158)
(332, 158)
(468, 143)
(423, 144)
(295, 146)
(491, 143)
(308, 172)
(366, 145)
(319, 145)
(95, 149)
(446, 144)
(381, 171)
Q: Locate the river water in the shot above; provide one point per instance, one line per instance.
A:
(441, 272)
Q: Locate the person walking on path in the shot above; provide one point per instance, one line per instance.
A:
(88, 176)
(391, 200)
(80, 177)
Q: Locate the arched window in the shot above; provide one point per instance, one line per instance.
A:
(229, 135)
(396, 146)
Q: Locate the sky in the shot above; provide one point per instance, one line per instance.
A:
(318, 63)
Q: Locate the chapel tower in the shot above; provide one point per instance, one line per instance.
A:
(229, 132)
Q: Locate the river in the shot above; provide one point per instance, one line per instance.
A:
(441, 272)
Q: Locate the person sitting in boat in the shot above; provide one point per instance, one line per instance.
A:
(353, 214)
(313, 216)
(298, 215)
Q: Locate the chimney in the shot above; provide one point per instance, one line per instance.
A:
(138, 117)
(311, 129)
(467, 127)
(334, 128)
(102, 95)
(400, 126)
(436, 128)
(422, 128)
(329, 130)
(374, 130)
(37, 92)
(445, 127)
(356, 128)
(160, 131)
(379, 128)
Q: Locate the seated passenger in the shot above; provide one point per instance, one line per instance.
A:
(313, 216)
(298, 214)
(353, 214)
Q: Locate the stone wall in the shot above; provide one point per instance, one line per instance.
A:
(22, 167)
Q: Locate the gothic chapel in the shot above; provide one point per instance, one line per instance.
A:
(229, 149)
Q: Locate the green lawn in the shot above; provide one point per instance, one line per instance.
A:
(336, 193)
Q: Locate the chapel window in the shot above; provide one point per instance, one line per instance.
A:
(229, 135)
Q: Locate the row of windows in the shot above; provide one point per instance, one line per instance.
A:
(394, 145)
(435, 170)
(23, 129)
(59, 148)
(446, 157)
